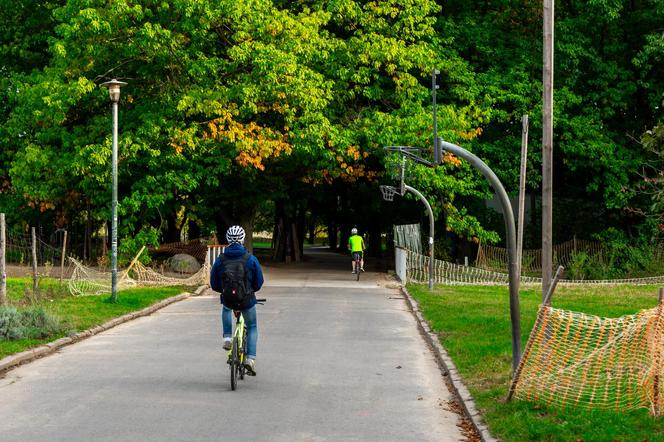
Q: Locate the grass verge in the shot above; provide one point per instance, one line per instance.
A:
(473, 325)
(75, 313)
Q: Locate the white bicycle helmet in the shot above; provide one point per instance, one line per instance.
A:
(235, 234)
(353, 231)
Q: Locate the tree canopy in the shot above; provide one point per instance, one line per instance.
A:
(230, 105)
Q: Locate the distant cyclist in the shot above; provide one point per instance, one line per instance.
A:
(356, 246)
(237, 263)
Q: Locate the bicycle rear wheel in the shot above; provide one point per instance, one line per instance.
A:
(235, 363)
(357, 269)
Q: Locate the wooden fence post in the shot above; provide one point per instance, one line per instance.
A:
(34, 261)
(3, 272)
(522, 193)
(62, 258)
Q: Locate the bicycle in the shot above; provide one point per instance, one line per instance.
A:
(357, 258)
(238, 351)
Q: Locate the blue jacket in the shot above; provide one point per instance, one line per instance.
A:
(253, 271)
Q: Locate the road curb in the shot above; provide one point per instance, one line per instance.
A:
(458, 386)
(17, 359)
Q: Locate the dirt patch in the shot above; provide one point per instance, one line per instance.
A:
(16, 271)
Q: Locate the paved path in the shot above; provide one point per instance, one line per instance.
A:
(337, 360)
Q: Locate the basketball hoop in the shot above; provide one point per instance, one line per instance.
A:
(388, 192)
(412, 153)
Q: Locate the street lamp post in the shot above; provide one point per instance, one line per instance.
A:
(114, 92)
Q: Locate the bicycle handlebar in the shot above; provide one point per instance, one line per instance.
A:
(261, 300)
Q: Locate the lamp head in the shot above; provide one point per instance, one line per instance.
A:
(114, 89)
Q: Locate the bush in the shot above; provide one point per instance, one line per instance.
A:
(441, 249)
(129, 246)
(620, 258)
(10, 324)
(585, 266)
(31, 323)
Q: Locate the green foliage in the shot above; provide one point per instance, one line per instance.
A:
(581, 267)
(606, 89)
(30, 323)
(129, 246)
(287, 98)
(442, 246)
(620, 258)
(651, 187)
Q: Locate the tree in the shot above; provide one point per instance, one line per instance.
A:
(606, 91)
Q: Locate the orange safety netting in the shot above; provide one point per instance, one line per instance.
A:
(578, 360)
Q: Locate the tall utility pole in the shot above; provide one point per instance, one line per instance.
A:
(547, 149)
(436, 150)
(522, 193)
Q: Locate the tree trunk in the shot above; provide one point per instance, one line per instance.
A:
(375, 246)
(332, 234)
(171, 233)
(301, 229)
(247, 222)
(287, 240)
(194, 230)
(312, 233)
(243, 216)
(86, 239)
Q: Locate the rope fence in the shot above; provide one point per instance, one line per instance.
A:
(89, 281)
(496, 258)
(417, 270)
(18, 250)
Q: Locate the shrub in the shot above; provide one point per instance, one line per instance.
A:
(30, 323)
(129, 246)
(10, 324)
(585, 266)
(620, 258)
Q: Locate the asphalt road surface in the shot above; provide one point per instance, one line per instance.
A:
(338, 360)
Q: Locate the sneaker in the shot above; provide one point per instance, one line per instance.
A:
(227, 344)
(353, 272)
(362, 269)
(250, 366)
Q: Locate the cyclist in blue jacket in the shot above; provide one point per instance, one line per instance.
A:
(254, 281)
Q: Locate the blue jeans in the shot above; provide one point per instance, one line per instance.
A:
(251, 323)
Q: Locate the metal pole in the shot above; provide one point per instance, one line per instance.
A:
(552, 287)
(538, 321)
(511, 243)
(3, 271)
(428, 206)
(522, 191)
(547, 149)
(114, 206)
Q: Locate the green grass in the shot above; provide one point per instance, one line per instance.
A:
(262, 244)
(77, 313)
(473, 324)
